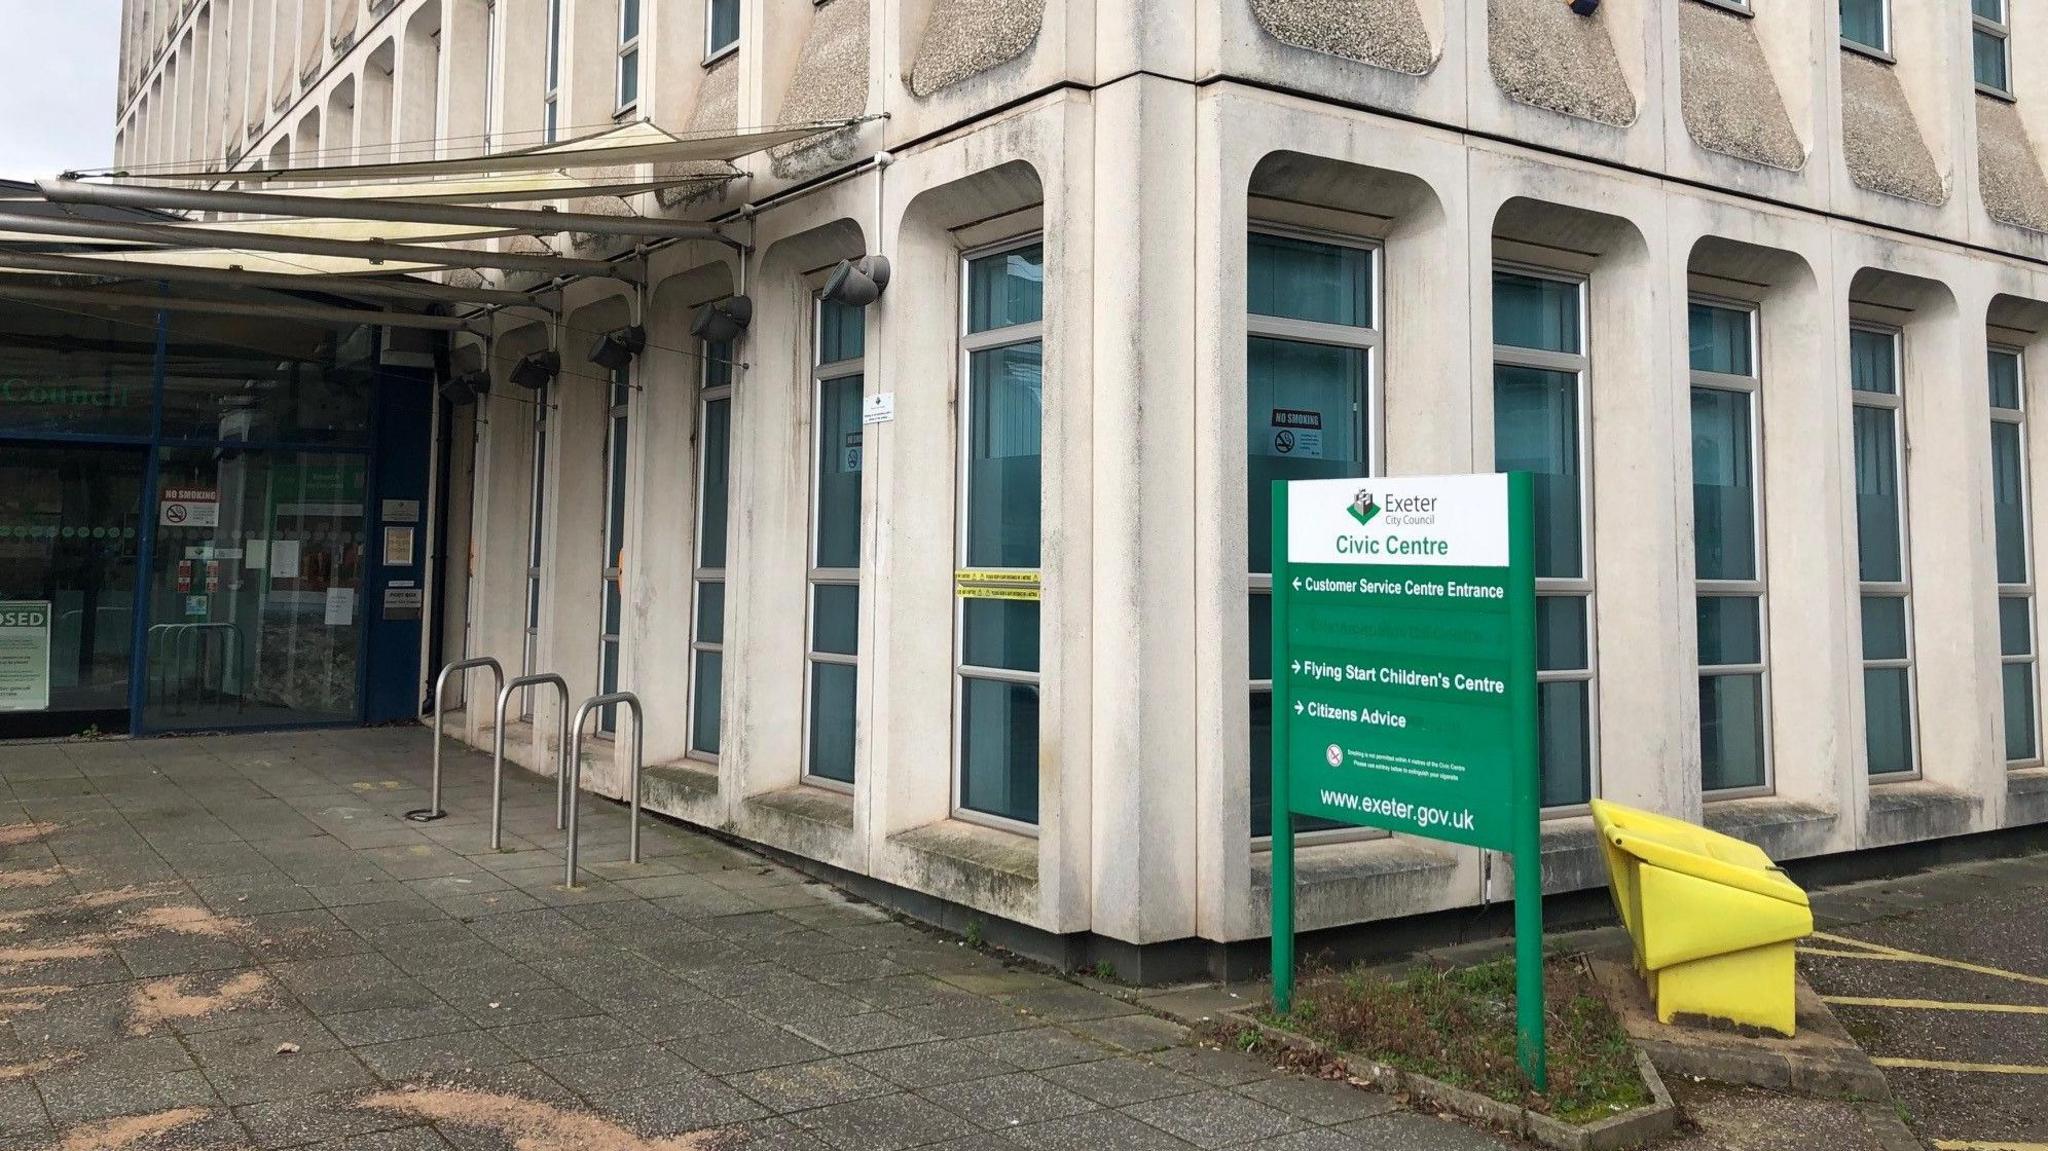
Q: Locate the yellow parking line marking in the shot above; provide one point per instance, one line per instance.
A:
(1852, 942)
(1985, 1145)
(1974, 1068)
(1934, 1005)
(1880, 952)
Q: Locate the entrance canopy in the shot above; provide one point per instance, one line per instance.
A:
(372, 228)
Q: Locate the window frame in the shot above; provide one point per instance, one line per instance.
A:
(536, 543)
(1875, 51)
(716, 52)
(1580, 364)
(970, 343)
(617, 463)
(2017, 417)
(551, 80)
(1372, 341)
(1759, 588)
(492, 63)
(2000, 30)
(822, 373)
(627, 46)
(1902, 590)
(1739, 7)
(707, 394)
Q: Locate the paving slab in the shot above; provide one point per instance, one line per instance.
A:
(349, 952)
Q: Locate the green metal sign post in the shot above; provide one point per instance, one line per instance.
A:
(1404, 685)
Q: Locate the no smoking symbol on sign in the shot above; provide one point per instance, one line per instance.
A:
(174, 514)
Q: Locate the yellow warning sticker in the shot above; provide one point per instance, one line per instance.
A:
(973, 575)
(968, 591)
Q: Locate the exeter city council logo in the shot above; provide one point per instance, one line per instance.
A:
(1363, 507)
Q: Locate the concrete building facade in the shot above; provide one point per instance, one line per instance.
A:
(1758, 288)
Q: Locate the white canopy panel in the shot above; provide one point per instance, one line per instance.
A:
(639, 142)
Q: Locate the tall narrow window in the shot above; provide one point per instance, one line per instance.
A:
(551, 121)
(1991, 46)
(629, 56)
(1001, 465)
(721, 27)
(833, 649)
(1867, 24)
(2014, 558)
(1727, 550)
(1311, 402)
(536, 545)
(491, 64)
(1539, 384)
(1888, 738)
(707, 628)
(614, 563)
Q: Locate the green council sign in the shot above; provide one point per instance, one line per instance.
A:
(1404, 681)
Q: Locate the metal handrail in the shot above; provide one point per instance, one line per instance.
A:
(575, 765)
(498, 750)
(433, 810)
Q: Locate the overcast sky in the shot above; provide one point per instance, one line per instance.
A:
(57, 64)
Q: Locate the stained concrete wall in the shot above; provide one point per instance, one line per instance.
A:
(831, 83)
(2008, 169)
(1384, 33)
(1542, 54)
(1731, 102)
(965, 38)
(1881, 140)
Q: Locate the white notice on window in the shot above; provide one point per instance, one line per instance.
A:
(284, 559)
(256, 555)
(24, 655)
(341, 606)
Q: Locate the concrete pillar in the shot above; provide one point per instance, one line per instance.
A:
(1143, 826)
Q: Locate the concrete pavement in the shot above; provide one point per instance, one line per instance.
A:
(236, 942)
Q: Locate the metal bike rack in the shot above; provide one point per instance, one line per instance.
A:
(575, 766)
(433, 810)
(498, 750)
(169, 659)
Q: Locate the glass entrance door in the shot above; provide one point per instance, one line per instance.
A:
(70, 531)
(256, 587)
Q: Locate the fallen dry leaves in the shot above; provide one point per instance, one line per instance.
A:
(530, 1125)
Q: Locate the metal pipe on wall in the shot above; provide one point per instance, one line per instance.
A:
(184, 236)
(62, 191)
(317, 313)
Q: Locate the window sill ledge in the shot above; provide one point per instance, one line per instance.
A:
(685, 779)
(1866, 51)
(817, 805)
(975, 848)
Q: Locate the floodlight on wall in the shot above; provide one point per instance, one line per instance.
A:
(858, 283)
(615, 349)
(1584, 7)
(722, 321)
(465, 387)
(535, 369)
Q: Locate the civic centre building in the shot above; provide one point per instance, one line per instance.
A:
(951, 576)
